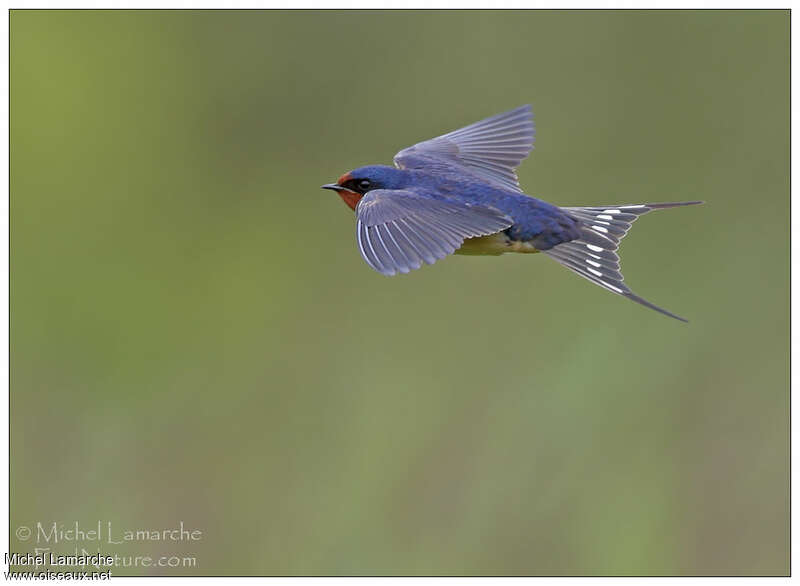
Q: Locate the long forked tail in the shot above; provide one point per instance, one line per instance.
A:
(593, 256)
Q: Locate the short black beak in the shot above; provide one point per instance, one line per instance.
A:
(333, 186)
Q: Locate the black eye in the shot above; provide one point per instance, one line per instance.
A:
(364, 184)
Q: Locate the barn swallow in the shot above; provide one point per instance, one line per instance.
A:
(459, 194)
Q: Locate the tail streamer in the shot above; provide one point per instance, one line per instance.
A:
(593, 256)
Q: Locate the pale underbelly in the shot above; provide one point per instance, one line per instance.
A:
(494, 244)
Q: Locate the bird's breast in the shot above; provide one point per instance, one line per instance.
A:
(494, 244)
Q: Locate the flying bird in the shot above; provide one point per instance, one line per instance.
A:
(459, 194)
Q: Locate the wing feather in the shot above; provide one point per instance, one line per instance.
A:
(398, 230)
(492, 148)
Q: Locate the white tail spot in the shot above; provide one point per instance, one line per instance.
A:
(611, 286)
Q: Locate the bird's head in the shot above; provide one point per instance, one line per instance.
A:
(352, 186)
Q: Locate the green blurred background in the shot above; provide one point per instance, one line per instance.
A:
(195, 337)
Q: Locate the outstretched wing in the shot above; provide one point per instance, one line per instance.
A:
(492, 148)
(398, 230)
